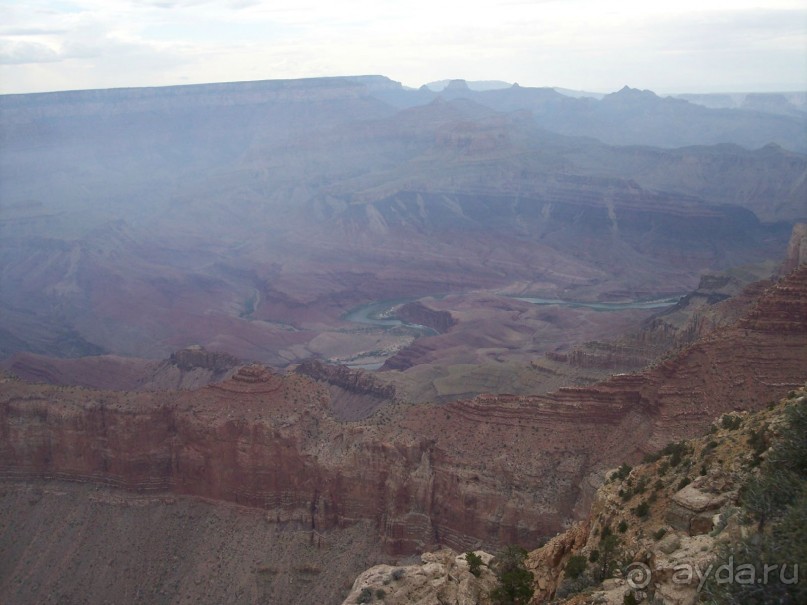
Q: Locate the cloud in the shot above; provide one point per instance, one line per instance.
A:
(20, 52)
(571, 43)
(31, 31)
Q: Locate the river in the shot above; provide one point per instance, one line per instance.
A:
(604, 306)
(380, 314)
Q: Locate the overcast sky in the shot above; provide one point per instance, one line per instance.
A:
(595, 45)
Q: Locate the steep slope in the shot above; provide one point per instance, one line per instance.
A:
(664, 529)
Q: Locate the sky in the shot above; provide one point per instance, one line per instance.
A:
(594, 45)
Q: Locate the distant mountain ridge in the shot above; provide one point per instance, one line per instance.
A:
(613, 117)
(250, 217)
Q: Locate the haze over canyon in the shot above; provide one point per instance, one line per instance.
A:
(302, 327)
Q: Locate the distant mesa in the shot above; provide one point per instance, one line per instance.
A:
(475, 85)
(197, 357)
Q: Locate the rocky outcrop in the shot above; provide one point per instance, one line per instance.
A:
(355, 381)
(547, 562)
(190, 368)
(691, 509)
(418, 313)
(355, 394)
(441, 577)
(796, 255)
(197, 357)
(668, 549)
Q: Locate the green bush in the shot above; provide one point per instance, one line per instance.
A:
(651, 457)
(777, 497)
(781, 480)
(641, 486)
(642, 510)
(622, 527)
(365, 596)
(474, 563)
(622, 472)
(515, 581)
(575, 566)
(571, 586)
(677, 451)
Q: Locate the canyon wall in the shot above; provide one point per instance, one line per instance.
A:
(485, 472)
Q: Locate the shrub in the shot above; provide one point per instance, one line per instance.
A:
(575, 566)
(684, 482)
(398, 573)
(659, 533)
(380, 594)
(730, 422)
(651, 457)
(641, 485)
(777, 495)
(593, 556)
(571, 586)
(758, 443)
(622, 472)
(623, 526)
(474, 563)
(515, 581)
(642, 510)
(676, 451)
(365, 596)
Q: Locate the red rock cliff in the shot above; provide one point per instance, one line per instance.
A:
(497, 469)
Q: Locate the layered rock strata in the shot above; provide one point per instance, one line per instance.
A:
(489, 471)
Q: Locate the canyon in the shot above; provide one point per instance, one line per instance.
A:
(489, 471)
(249, 218)
(269, 334)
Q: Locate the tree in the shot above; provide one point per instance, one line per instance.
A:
(515, 581)
(609, 552)
(575, 566)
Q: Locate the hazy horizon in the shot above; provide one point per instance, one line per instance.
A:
(561, 89)
(712, 46)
